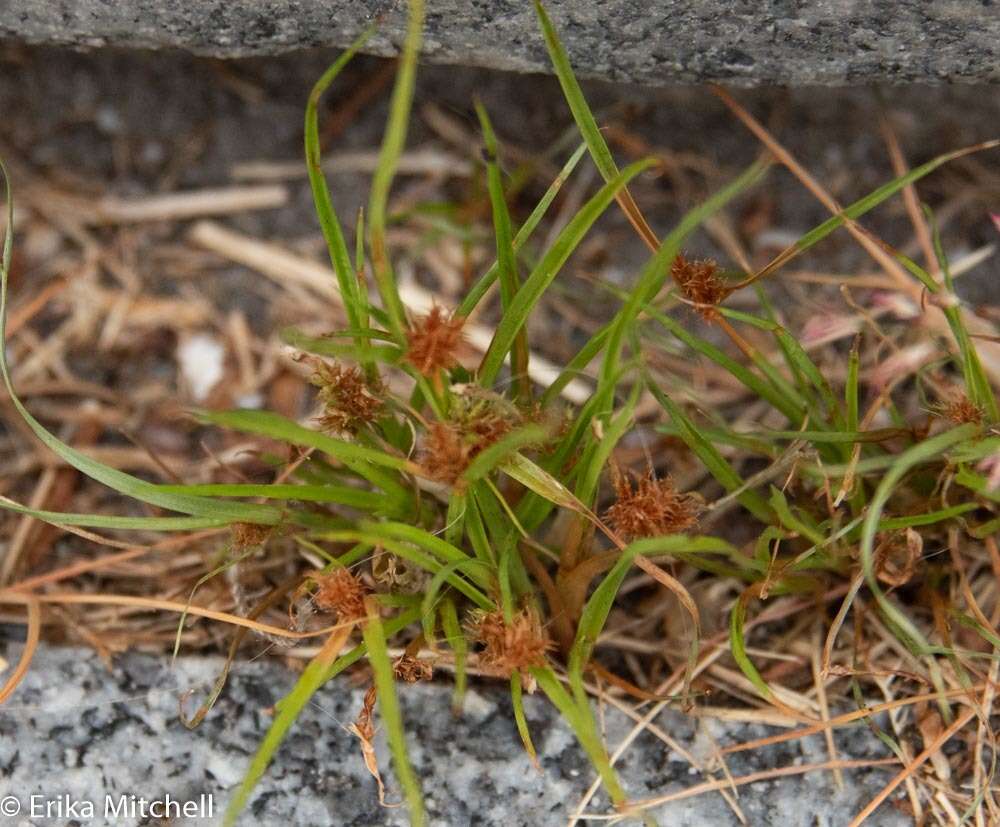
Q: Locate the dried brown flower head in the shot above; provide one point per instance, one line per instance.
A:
(341, 592)
(478, 419)
(445, 454)
(519, 645)
(432, 341)
(412, 670)
(700, 284)
(960, 410)
(248, 535)
(350, 400)
(652, 508)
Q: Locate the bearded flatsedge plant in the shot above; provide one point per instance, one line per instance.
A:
(476, 521)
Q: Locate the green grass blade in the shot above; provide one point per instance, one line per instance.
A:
(902, 626)
(392, 718)
(340, 494)
(290, 707)
(411, 551)
(517, 702)
(656, 272)
(493, 456)
(355, 300)
(480, 288)
(738, 646)
(546, 270)
(433, 589)
(977, 382)
(506, 260)
(581, 720)
(586, 123)
(851, 388)
(873, 199)
(460, 646)
(365, 461)
(392, 148)
(594, 460)
(758, 386)
(929, 518)
(713, 460)
(58, 518)
(361, 350)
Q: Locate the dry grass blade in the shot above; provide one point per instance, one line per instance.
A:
(931, 749)
(364, 730)
(69, 598)
(28, 652)
(752, 778)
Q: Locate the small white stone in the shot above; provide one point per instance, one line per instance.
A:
(222, 768)
(201, 362)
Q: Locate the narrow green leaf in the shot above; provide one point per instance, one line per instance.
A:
(58, 518)
(480, 288)
(392, 148)
(517, 701)
(290, 707)
(495, 455)
(930, 448)
(460, 646)
(886, 191)
(714, 461)
(368, 462)
(738, 646)
(546, 271)
(506, 260)
(582, 722)
(392, 717)
(355, 300)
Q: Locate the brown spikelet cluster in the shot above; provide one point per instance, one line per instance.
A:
(433, 340)
(248, 535)
(960, 410)
(700, 284)
(517, 645)
(478, 419)
(341, 592)
(445, 454)
(350, 401)
(652, 508)
(412, 670)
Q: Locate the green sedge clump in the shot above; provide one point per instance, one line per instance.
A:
(463, 513)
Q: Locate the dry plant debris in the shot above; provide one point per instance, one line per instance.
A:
(857, 560)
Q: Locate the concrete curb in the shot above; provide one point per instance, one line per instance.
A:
(656, 42)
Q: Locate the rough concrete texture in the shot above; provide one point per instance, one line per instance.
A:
(75, 729)
(777, 41)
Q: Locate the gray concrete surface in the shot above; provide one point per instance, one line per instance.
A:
(659, 41)
(76, 732)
